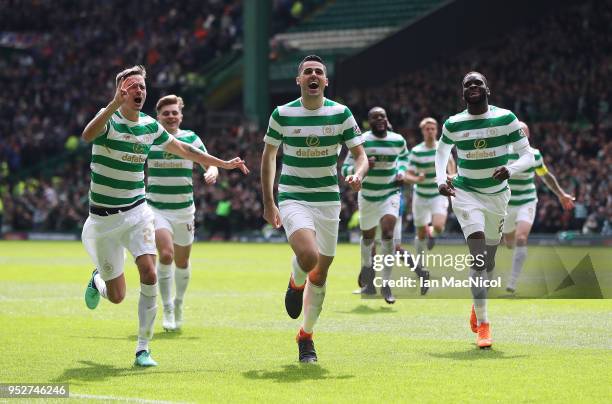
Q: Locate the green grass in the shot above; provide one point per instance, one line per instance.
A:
(238, 343)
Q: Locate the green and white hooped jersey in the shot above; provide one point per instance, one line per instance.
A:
(312, 140)
(482, 146)
(170, 177)
(118, 158)
(522, 185)
(391, 157)
(422, 159)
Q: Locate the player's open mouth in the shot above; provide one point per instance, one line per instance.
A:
(137, 100)
(314, 85)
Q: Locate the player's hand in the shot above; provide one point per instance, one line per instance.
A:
(371, 162)
(354, 181)
(210, 176)
(121, 94)
(272, 215)
(236, 162)
(501, 174)
(447, 189)
(400, 177)
(421, 178)
(567, 201)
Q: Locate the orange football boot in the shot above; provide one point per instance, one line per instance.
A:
(483, 340)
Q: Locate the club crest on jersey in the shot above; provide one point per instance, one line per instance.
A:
(168, 156)
(297, 131)
(480, 143)
(327, 130)
(491, 131)
(466, 134)
(313, 141)
(139, 148)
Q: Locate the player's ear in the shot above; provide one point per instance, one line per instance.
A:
(326, 82)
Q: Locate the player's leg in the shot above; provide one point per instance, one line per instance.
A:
(387, 226)
(369, 216)
(326, 220)
(106, 252)
(182, 275)
(422, 216)
(439, 212)
(298, 221)
(494, 209)
(165, 249)
(470, 214)
(366, 274)
(147, 308)
(304, 245)
(523, 228)
(525, 216)
(140, 241)
(183, 240)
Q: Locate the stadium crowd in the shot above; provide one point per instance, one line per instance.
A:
(67, 75)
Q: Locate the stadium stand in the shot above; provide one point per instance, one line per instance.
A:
(55, 68)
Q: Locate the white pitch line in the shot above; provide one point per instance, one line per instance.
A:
(124, 399)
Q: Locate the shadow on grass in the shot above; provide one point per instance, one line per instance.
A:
(159, 335)
(475, 354)
(364, 309)
(92, 371)
(294, 373)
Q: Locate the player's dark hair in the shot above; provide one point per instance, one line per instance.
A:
(484, 79)
(311, 58)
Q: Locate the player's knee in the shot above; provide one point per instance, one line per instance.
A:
(386, 233)
(318, 277)
(521, 240)
(148, 276)
(166, 255)
(115, 296)
(421, 233)
(308, 260)
(182, 262)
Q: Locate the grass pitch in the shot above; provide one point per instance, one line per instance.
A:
(238, 343)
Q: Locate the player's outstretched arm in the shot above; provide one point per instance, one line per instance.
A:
(361, 167)
(443, 153)
(196, 155)
(268, 172)
(95, 128)
(567, 200)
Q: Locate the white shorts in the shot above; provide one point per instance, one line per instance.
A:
(323, 220)
(106, 237)
(181, 227)
(519, 213)
(480, 212)
(370, 213)
(423, 208)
